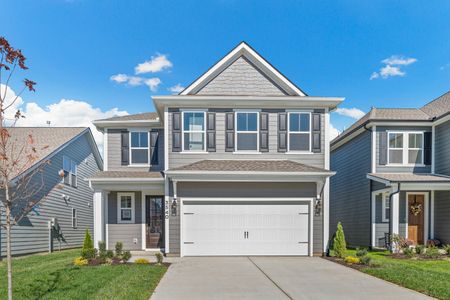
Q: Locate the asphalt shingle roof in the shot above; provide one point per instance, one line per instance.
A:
(135, 117)
(410, 177)
(438, 107)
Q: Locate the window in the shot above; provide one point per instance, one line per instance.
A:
(405, 148)
(139, 148)
(386, 207)
(247, 127)
(74, 218)
(299, 138)
(70, 171)
(125, 208)
(194, 131)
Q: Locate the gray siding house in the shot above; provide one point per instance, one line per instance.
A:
(393, 175)
(236, 164)
(66, 201)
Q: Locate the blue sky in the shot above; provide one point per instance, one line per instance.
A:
(328, 48)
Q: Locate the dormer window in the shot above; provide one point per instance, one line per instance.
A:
(405, 148)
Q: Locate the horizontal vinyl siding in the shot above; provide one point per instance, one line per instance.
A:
(442, 151)
(32, 234)
(129, 234)
(350, 190)
(442, 216)
(177, 159)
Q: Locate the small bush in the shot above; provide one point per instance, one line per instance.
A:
(420, 249)
(365, 260)
(352, 260)
(80, 261)
(408, 251)
(119, 249)
(88, 253)
(126, 256)
(159, 258)
(339, 244)
(109, 254)
(432, 252)
(447, 249)
(102, 249)
(361, 252)
(141, 261)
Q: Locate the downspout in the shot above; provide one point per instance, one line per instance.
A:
(370, 190)
(391, 214)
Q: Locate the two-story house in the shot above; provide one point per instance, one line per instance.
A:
(393, 175)
(235, 164)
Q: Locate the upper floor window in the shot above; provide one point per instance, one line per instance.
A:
(247, 127)
(405, 148)
(139, 147)
(194, 131)
(299, 134)
(70, 171)
(125, 208)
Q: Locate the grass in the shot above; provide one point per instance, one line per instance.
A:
(431, 277)
(52, 276)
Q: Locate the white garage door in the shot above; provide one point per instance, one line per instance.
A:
(245, 228)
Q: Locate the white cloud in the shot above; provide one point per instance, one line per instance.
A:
(333, 132)
(354, 112)
(392, 67)
(155, 64)
(119, 78)
(176, 88)
(152, 83)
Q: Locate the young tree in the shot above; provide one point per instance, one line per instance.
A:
(20, 167)
(339, 244)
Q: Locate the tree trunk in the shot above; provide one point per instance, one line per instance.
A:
(8, 244)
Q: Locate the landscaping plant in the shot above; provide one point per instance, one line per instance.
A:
(339, 244)
(88, 250)
(119, 249)
(141, 261)
(420, 249)
(80, 261)
(361, 252)
(447, 249)
(352, 260)
(432, 252)
(126, 256)
(159, 258)
(102, 253)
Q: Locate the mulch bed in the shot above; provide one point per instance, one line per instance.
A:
(342, 262)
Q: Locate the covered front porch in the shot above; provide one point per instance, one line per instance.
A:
(413, 206)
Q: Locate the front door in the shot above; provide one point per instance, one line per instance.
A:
(154, 219)
(416, 207)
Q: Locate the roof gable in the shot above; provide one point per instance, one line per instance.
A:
(243, 72)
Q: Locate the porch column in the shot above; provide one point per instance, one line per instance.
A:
(99, 217)
(395, 213)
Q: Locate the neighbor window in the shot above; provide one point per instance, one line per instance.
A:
(299, 131)
(74, 218)
(247, 131)
(139, 147)
(194, 131)
(70, 171)
(405, 148)
(386, 207)
(125, 211)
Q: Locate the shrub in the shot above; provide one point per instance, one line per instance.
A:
(109, 254)
(339, 245)
(159, 258)
(126, 256)
(365, 260)
(408, 251)
(352, 260)
(88, 250)
(447, 249)
(432, 252)
(119, 248)
(102, 249)
(420, 249)
(361, 252)
(141, 261)
(433, 243)
(80, 261)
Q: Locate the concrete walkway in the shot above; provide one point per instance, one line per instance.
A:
(272, 278)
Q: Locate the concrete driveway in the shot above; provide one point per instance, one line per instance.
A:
(272, 278)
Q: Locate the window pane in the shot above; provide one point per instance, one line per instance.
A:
(139, 156)
(143, 141)
(247, 121)
(66, 164)
(294, 122)
(194, 121)
(135, 139)
(415, 140)
(126, 214)
(73, 167)
(247, 141)
(414, 156)
(241, 121)
(395, 156)
(304, 122)
(125, 202)
(396, 140)
(194, 141)
(299, 141)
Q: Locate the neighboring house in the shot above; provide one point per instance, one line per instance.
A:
(393, 175)
(66, 201)
(236, 164)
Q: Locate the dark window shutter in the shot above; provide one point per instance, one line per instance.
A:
(316, 134)
(176, 132)
(229, 132)
(282, 132)
(125, 141)
(382, 160)
(427, 148)
(154, 147)
(264, 132)
(211, 132)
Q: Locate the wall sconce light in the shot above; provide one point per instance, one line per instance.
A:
(173, 207)
(65, 198)
(318, 207)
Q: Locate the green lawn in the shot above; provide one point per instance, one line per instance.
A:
(431, 277)
(52, 276)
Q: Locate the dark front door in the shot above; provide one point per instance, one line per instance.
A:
(416, 206)
(154, 218)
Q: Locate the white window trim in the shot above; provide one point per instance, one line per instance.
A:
(193, 131)
(298, 132)
(133, 148)
(119, 209)
(384, 197)
(237, 131)
(74, 218)
(405, 155)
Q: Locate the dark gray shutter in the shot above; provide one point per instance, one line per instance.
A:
(282, 132)
(316, 140)
(382, 160)
(427, 148)
(125, 141)
(211, 131)
(229, 132)
(176, 132)
(264, 132)
(154, 134)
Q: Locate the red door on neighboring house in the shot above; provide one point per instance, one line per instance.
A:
(416, 217)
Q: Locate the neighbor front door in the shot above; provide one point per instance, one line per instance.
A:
(416, 207)
(154, 218)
